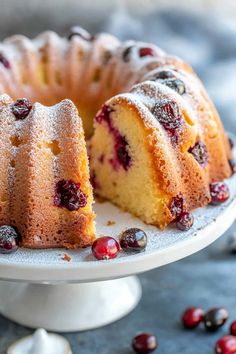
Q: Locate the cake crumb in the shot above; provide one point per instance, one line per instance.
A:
(110, 223)
(66, 257)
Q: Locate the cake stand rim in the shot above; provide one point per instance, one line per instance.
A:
(128, 265)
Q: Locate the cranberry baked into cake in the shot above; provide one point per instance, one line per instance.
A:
(156, 143)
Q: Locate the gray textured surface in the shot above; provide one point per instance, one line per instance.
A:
(207, 278)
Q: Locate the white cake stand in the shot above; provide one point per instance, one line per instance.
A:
(40, 289)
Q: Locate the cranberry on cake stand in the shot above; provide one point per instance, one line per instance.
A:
(70, 290)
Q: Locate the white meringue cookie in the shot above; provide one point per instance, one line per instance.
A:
(41, 342)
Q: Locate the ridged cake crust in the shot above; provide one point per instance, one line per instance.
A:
(36, 153)
(50, 68)
(135, 161)
(173, 169)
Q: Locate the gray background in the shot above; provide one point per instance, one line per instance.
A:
(208, 278)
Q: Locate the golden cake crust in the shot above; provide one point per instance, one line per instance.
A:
(49, 145)
(174, 169)
(37, 152)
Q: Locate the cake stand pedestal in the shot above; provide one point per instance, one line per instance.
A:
(38, 288)
(70, 307)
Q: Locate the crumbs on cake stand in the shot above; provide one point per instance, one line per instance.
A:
(110, 222)
(66, 257)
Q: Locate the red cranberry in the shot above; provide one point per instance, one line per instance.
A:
(122, 154)
(104, 114)
(105, 247)
(219, 192)
(133, 240)
(177, 207)
(233, 328)
(226, 345)
(215, 318)
(200, 153)
(4, 61)
(185, 221)
(167, 113)
(80, 32)
(127, 53)
(192, 317)
(121, 147)
(176, 85)
(144, 52)
(144, 343)
(232, 164)
(9, 239)
(69, 195)
(21, 108)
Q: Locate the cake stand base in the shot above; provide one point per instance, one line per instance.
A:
(69, 307)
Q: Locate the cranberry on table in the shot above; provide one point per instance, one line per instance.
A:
(144, 343)
(215, 318)
(185, 221)
(105, 247)
(219, 192)
(233, 328)
(226, 345)
(133, 239)
(21, 108)
(9, 239)
(192, 317)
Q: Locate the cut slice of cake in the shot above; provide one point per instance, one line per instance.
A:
(144, 154)
(44, 178)
(123, 161)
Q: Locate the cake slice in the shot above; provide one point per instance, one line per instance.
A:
(44, 178)
(149, 155)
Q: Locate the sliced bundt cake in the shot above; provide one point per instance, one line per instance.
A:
(44, 178)
(158, 142)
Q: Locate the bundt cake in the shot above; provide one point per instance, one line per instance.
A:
(156, 146)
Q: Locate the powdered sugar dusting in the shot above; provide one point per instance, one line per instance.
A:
(125, 74)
